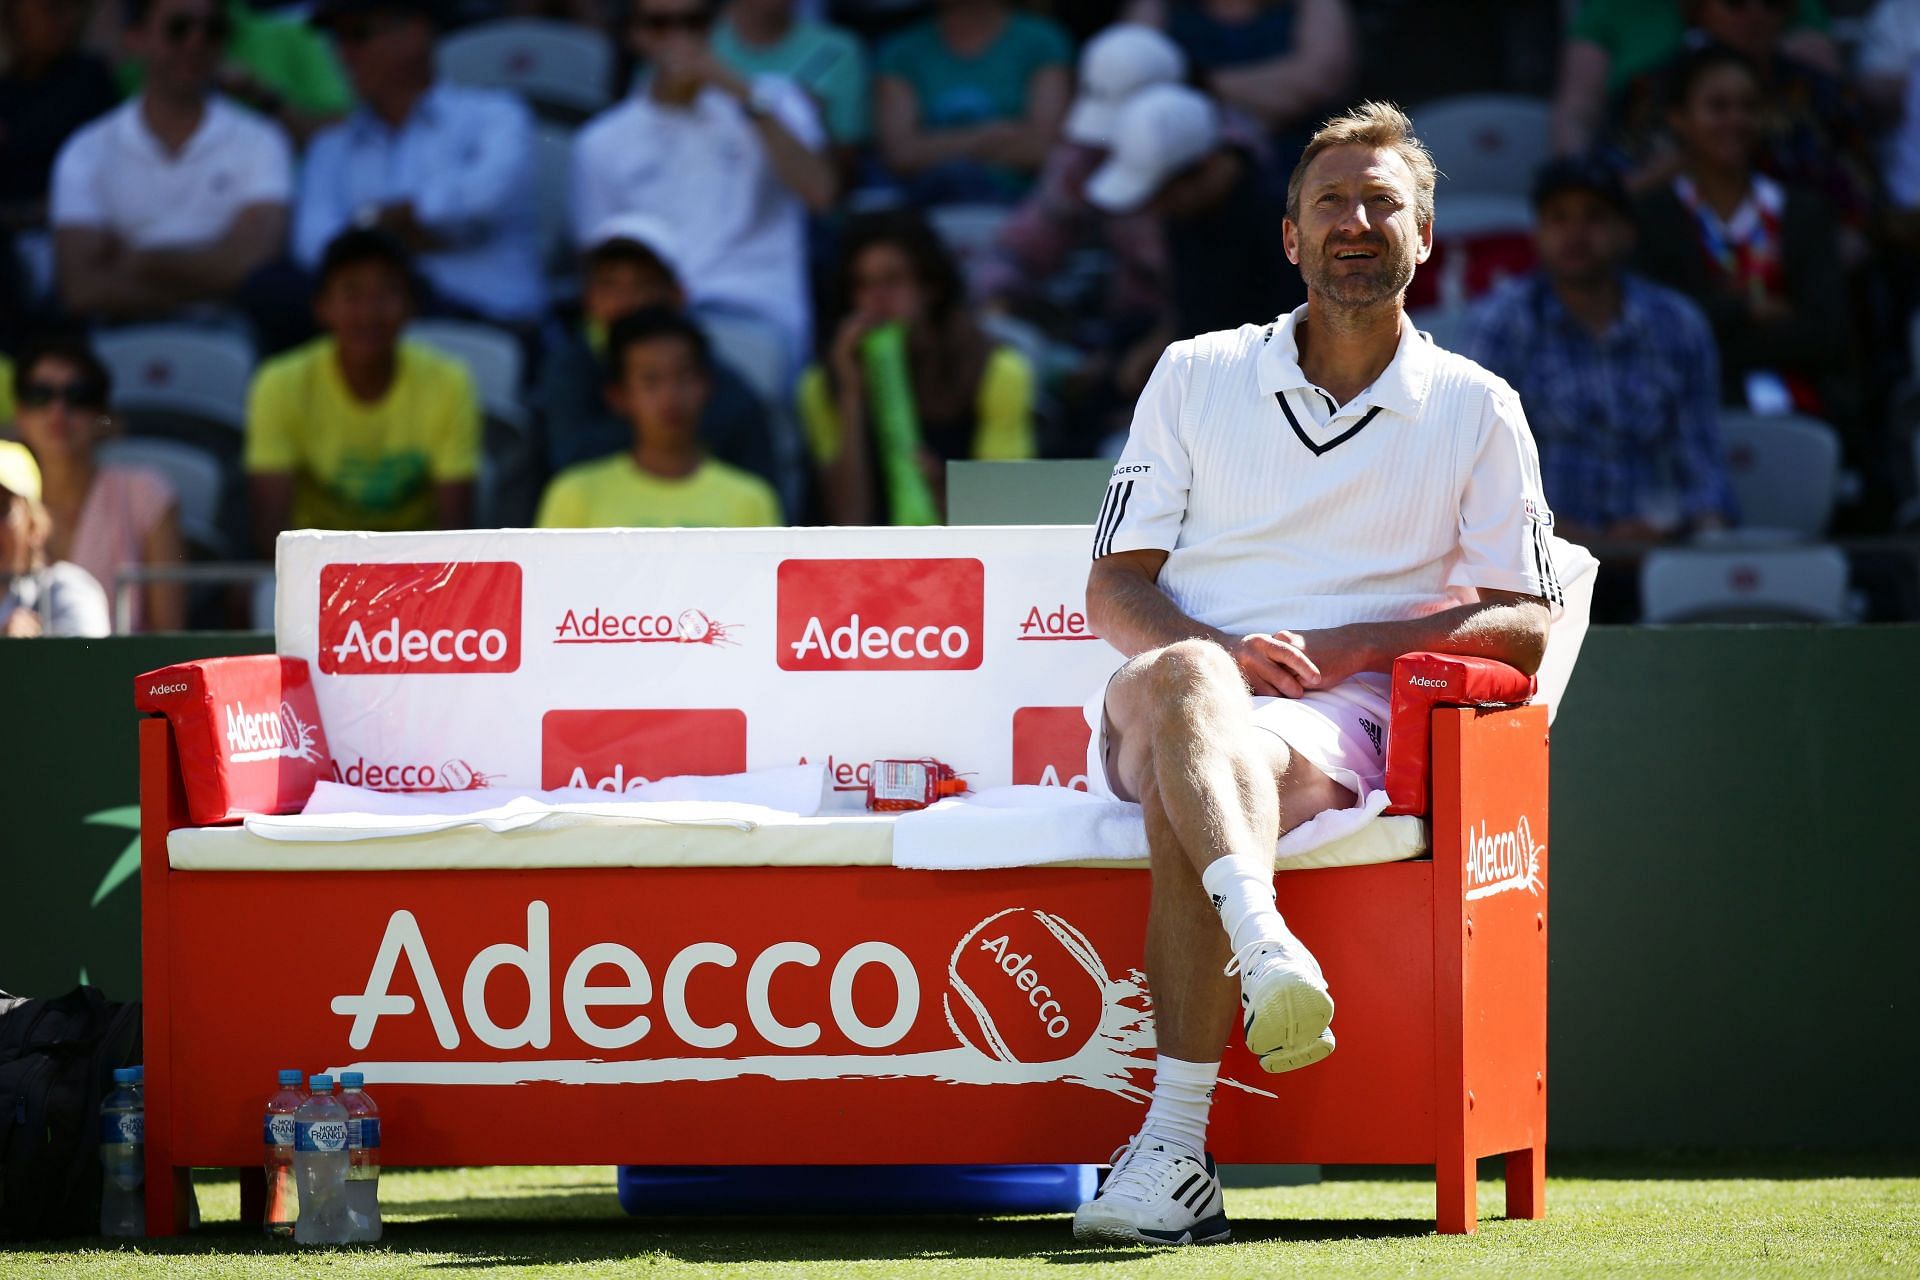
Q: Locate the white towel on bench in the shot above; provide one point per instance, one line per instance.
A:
(1032, 826)
(741, 800)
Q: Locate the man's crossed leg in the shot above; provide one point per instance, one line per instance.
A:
(1217, 791)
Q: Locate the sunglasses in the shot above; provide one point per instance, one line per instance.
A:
(181, 27)
(661, 23)
(75, 395)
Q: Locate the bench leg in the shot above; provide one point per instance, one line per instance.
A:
(1527, 1183)
(1455, 1187)
(253, 1195)
(167, 1200)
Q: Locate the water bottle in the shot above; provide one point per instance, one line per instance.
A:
(283, 1202)
(363, 1157)
(123, 1158)
(320, 1165)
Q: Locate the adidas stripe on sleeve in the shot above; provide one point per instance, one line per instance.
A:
(1505, 523)
(1147, 497)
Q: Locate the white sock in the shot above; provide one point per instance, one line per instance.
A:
(1242, 892)
(1182, 1095)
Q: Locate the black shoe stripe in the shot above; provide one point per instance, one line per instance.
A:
(1187, 1185)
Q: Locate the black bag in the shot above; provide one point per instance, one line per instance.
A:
(57, 1058)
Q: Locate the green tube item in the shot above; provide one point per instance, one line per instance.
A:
(896, 426)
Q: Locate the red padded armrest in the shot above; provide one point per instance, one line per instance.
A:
(1421, 682)
(248, 730)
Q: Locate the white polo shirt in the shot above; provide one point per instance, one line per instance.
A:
(739, 233)
(114, 175)
(1280, 510)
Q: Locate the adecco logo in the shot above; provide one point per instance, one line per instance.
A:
(1059, 623)
(1050, 747)
(623, 749)
(880, 615)
(420, 619)
(411, 778)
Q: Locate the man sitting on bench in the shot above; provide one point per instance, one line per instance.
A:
(1299, 503)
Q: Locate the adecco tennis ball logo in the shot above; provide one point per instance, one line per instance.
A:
(880, 615)
(1025, 986)
(620, 750)
(420, 619)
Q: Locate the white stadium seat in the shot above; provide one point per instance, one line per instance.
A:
(553, 190)
(179, 369)
(1485, 143)
(552, 64)
(198, 480)
(1757, 584)
(1785, 470)
(492, 356)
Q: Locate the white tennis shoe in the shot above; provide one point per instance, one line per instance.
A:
(1156, 1193)
(1284, 1006)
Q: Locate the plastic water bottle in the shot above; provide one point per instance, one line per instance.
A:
(320, 1165)
(283, 1202)
(123, 1159)
(363, 1156)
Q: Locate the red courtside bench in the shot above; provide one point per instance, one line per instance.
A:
(687, 996)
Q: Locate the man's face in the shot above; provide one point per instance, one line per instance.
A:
(666, 32)
(1357, 240)
(364, 306)
(384, 49)
(1753, 27)
(662, 390)
(618, 288)
(1581, 239)
(182, 43)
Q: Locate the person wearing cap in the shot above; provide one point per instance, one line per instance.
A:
(38, 598)
(732, 164)
(360, 428)
(1216, 203)
(629, 267)
(1619, 375)
(1055, 219)
(968, 102)
(657, 375)
(104, 516)
(178, 197)
(447, 170)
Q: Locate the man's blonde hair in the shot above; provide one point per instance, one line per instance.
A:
(1372, 124)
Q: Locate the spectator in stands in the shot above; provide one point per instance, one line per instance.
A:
(49, 89)
(361, 429)
(968, 102)
(1618, 376)
(105, 517)
(38, 598)
(731, 164)
(1889, 56)
(908, 381)
(659, 372)
(1612, 42)
(628, 268)
(446, 170)
(1759, 258)
(1218, 206)
(1282, 62)
(177, 197)
(767, 38)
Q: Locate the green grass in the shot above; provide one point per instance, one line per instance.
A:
(1608, 1217)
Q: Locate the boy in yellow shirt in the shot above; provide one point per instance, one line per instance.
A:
(659, 375)
(359, 429)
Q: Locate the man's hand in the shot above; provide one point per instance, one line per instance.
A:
(1275, 665)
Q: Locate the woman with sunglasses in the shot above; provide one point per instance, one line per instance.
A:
(105, 517)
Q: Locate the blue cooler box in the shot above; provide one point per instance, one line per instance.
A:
(856, 1188)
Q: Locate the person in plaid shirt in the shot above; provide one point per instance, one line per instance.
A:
(1619, 376)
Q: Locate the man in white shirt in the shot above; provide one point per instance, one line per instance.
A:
(176, 197)
(448, 171)
(732, 165)
(1298, 504)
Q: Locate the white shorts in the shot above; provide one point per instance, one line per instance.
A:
(1343, 730)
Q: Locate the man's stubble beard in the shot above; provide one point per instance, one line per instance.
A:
(1358, 293)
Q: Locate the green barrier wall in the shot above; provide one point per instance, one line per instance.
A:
(1733, 878)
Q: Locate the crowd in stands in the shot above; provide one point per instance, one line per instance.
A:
(762, 262)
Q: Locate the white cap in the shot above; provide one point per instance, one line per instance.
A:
(1160, 131)
(642, 229)
(1115, 65)
(19, 473)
